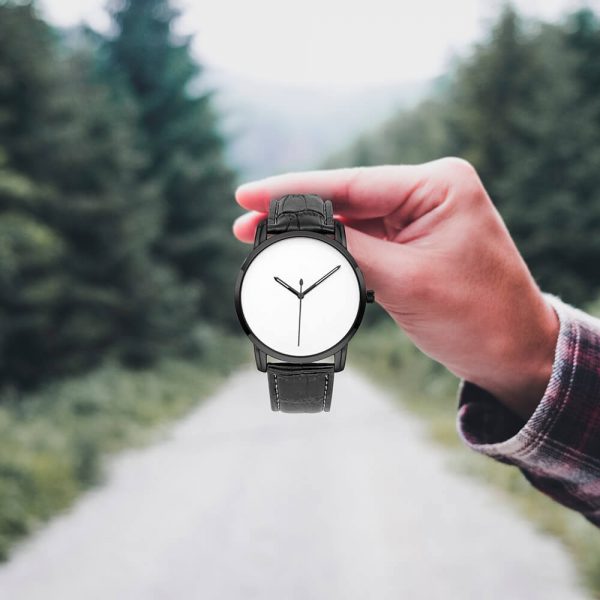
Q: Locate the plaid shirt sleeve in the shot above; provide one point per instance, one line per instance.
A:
(558, 448)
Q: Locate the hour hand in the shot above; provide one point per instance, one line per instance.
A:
(286, 286)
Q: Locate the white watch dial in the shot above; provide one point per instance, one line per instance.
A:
(300, 296)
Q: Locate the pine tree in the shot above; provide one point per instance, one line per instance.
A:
(488, 94)
(583, 35)
(64, 131)
(520, 113)
(111, 221)
(32, 285)
(186, 148)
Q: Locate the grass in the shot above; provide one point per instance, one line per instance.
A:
(428, 390)
(53, 442)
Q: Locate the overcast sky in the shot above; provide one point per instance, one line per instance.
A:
(343, 42)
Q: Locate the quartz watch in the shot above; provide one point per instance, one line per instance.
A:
(300, 297)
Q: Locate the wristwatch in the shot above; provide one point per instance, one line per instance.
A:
(300, 297)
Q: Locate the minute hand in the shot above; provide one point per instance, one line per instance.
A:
(316, 283)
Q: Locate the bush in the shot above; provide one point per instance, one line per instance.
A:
(52, 442)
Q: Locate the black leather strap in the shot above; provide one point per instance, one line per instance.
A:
(300, 388)
(300, 212)
(304, 388)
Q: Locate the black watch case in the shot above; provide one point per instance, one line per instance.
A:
(261, 351)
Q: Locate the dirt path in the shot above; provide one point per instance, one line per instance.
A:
(239, 503)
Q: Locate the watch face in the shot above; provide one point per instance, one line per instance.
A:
(300, 296)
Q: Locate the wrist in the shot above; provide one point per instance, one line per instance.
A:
(524, 361)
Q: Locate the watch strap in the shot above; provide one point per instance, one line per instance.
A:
(300, 388)
(300, 212)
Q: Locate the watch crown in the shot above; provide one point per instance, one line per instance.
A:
(370, 296)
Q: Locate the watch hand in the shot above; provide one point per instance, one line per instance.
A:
(300, 296)
(286, 286)
(316, 283)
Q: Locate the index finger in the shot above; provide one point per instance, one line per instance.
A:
(359, 193)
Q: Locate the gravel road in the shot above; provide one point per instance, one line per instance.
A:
(240, 503)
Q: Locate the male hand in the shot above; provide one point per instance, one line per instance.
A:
(442, 263)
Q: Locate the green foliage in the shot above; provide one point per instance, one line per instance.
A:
(121, 300)
(524, 109)
(538, 147)
(82, 217)
(52, 442)
(187, 163)
(115, 204)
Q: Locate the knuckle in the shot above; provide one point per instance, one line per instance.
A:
(459, 167)
(354, 180)
(465, 180)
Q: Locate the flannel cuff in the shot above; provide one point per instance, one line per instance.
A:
(558, 448)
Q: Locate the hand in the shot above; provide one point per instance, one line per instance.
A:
(442, 263)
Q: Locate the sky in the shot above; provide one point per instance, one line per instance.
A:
(338, 42)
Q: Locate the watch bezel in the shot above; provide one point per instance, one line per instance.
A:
(289, 357)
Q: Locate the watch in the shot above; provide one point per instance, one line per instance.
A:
(300, 297)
